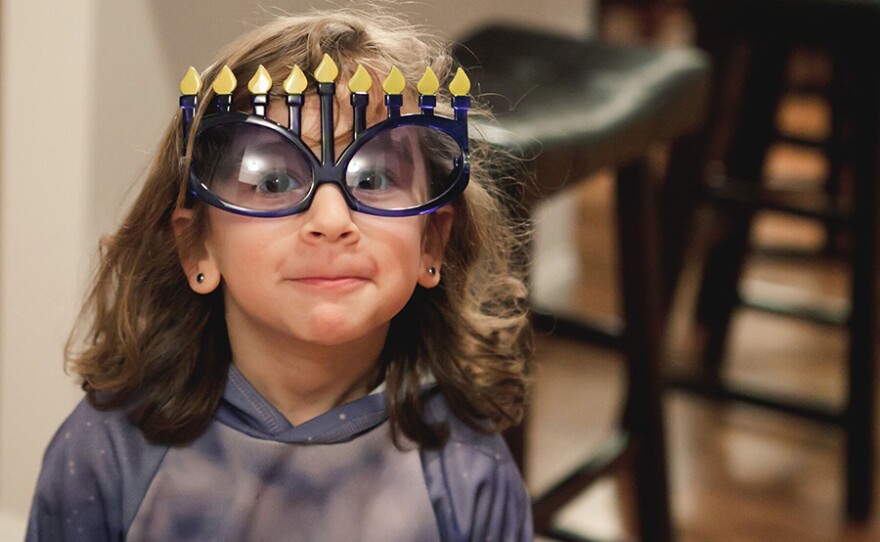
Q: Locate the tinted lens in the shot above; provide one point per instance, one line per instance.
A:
(251, 166)
(402, 168)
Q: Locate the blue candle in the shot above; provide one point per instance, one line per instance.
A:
(359, 85)
(461, 102)
(294, 86)
(393, 86)
(190, 86)
(224, 85)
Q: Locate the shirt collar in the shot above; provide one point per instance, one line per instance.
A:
(244, 409)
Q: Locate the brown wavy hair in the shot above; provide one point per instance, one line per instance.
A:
(146, 343)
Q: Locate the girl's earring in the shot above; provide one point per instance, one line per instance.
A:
(431, 279)
(200, 278)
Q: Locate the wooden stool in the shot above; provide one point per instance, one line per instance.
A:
(758, 37)
(580, 106)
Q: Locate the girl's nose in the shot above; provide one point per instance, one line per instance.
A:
(329, 218)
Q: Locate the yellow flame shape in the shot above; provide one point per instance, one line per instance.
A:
(428, 84)
(394, 83)
(225, 82)
(261, 82)
(327, 70)
(191, 83)
(360, 81)
(296, 82)
(460, 84)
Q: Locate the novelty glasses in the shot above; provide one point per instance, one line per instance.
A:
(404, 165)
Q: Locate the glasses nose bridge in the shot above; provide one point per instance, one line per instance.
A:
(328, 173)
(333, 174)
(325, 208)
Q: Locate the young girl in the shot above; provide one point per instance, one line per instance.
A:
(308, 326)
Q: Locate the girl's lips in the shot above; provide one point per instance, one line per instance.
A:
(330, 283)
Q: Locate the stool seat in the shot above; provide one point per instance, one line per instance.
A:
(611, 101)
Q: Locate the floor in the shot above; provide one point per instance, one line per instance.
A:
(737, 473)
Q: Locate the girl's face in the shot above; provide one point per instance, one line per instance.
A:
(326, 277)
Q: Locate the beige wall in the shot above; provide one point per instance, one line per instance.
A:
(87, 87)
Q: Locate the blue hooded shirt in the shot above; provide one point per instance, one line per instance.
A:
(253, 476)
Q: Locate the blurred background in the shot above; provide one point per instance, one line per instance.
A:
(87, 89)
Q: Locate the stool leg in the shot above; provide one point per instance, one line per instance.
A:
(684, 173)
(641, 285)
(752, 136)
(863, 325)
(839, 98)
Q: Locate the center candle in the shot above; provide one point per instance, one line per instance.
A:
(325, 74)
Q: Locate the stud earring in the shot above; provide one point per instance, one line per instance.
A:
(432, 270)
(200, 278)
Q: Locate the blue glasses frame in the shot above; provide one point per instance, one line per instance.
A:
(326, 170)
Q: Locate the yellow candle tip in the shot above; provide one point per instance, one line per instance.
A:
(394, 83)
(191, 83)
(225, 82)
(360, 81)
(428, 84)
(327, 70)
(261, 82)
(460, 84)
(296, 82)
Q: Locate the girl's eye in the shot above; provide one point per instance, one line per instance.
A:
(371, 180)
(277, 183)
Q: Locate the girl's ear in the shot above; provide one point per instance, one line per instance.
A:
(195, 258)
(437, 233)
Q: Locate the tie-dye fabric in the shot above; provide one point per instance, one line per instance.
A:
(252, 476)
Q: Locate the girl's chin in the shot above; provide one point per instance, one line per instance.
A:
(339, 328)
